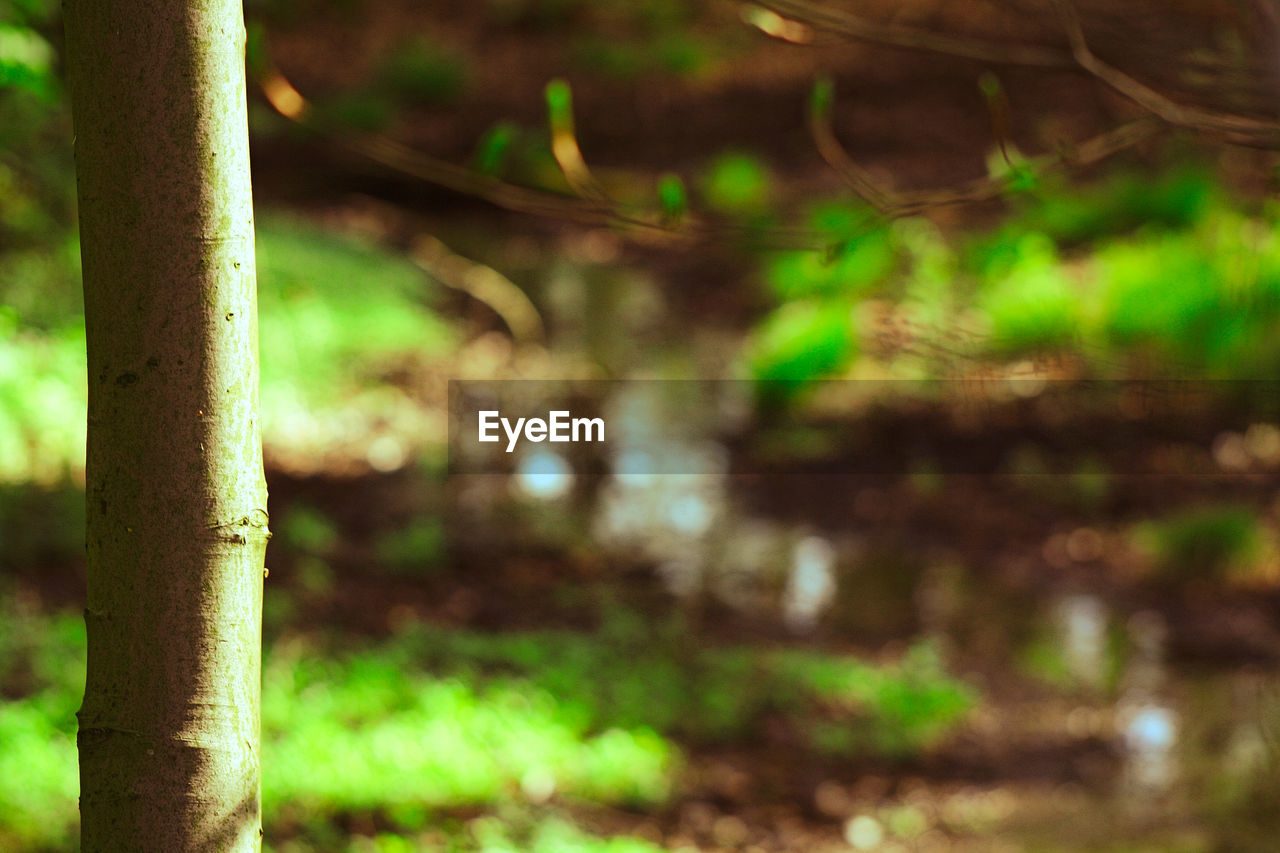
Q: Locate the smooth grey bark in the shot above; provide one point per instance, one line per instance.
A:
(177, 521)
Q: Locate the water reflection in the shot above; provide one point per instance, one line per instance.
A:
(1082, 622)
(1148, 724)
(543, 475)
(811, 586)
(666, 493)
(754, 558)
(666, 500)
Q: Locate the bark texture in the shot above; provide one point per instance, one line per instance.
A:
(177, 520)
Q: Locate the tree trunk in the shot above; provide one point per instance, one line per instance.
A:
(169, 729)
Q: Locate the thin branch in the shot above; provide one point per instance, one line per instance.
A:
(1239, 129)
(1233, 128)
(642, 225)
(998, 109)
(894, 204)
(592, 206)
(513, 197)
(291, 104)
(482, 283)
(914, 38)
(564, 144)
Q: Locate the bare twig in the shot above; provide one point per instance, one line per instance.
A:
(913, 38)
(483, 283)
(592, 208)
(1238, 129)
(895, 204)
(564, 144)
(1229, 127)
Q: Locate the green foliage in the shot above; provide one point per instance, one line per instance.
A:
(559, 97)
(364, 731)
(822, 96)
(1031, 304)
(1089, 485)
(1205, 300)
(39, 264)
(862, 257)
(812, 334)
(520, 154)
(325, 344)
(1204, 543)
(494, 148)
(673, 198)
(680, 54)
(257, 51)
(308, 530)
(37, 182)
(43, 400)
(640, 679)
(414, 549)
(40, 274)
(425, 72)
(989, 85)
(396, 725)
(434, 720)
(1044, 658)
(323, 341)
(739, 184)
(557, 836)
(27, 61)
(677, 54)
(802, 341)
(890, 711)
(38, 792)
(369, 733)
(931, 269)
(41, 680)
(1194, 291)
(364, 111)
(491, 835)
(42, 657)
(41, 524)
(1124, 202)
(1154, 293)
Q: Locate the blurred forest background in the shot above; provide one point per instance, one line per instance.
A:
(1050, 621)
